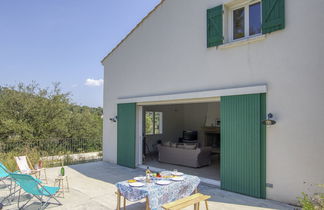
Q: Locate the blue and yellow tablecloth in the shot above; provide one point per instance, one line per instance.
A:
(159, 194)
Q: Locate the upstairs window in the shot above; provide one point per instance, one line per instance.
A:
(241, 19)
(245, 21)
(153, 123)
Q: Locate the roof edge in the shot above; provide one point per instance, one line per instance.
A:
(138, 25)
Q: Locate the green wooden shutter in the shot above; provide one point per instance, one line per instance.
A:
(126, 134)
(273, 15)
(243, 144)
(215, 26)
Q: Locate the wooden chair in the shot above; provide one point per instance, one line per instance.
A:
(194, 199)
(25, 167)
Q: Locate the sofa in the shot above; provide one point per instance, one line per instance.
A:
(195, 158)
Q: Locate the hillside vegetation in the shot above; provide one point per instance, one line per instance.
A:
(28, 112)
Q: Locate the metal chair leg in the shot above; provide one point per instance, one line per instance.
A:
(25, 203)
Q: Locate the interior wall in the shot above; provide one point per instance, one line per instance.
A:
(172, 123)
(195, 116)
(179, 117)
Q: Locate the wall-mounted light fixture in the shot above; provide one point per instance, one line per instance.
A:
(113, 119)
(269, 121)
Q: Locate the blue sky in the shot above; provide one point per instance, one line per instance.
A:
(64, 41)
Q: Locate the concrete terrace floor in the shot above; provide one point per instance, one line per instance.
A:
(92, 187)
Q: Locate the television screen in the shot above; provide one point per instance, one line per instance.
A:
(190, 135)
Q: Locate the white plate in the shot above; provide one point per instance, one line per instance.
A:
(177, 173)
(136, 184)
(163, 182)
(178, 178)
(139, 178)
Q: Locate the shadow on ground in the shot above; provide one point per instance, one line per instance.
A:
(112, 173)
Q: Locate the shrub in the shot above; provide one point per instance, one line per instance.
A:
(314, 202)
(8, 159)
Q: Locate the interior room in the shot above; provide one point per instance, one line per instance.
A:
(185, 137)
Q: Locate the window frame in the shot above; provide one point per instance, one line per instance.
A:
(153, 121)
(246, 6)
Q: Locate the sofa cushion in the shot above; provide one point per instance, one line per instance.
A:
(173, 144)
(190, 146)
(188, 157)
(166, 143)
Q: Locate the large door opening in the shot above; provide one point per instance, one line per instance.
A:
(185, 137)
(222, 139)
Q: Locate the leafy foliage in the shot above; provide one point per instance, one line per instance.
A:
(314, 202)
(28, 112)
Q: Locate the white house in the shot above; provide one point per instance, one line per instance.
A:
(224, 65)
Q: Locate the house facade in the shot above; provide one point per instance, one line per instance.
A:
(251, 57)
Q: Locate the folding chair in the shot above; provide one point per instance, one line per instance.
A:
(5, 175)
(34, 187)
(25, 167)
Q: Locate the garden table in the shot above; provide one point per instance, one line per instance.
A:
(157, 195)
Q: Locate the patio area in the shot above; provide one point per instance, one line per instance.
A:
(92, 186)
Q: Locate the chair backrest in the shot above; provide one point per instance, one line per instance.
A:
(3, 171)
(23, 164)
(27, 183)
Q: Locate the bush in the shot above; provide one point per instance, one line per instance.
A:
(8, 159)
(314, 202)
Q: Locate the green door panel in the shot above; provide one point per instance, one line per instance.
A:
(126, 134)
(243, 144)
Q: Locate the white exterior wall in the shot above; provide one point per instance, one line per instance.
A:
(168, 54)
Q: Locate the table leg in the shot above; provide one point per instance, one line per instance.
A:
(45, 175)
(124, 203)
(196, 207)
(63, 187)
(118, 200)
(59, 185)
(206, 204)
(67, 184)
(147, 205)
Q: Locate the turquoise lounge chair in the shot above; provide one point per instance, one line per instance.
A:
(4, 175)
(34, 187)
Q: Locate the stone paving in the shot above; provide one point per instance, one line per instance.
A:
(92, 186)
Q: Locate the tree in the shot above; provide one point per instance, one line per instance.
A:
(29, 112)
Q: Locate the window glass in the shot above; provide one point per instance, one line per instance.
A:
(158, 122)
(148, 123)
(255, 19)
(238, 23)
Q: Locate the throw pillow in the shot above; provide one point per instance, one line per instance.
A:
(190, 146)
(173, 144)
(167, 144)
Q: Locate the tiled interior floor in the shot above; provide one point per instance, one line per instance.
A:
(210, 172)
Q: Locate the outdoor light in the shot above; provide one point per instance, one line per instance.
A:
(269, 121)
(113, 119)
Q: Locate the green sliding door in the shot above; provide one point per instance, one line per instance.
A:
(243, 144)
(126, 134)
